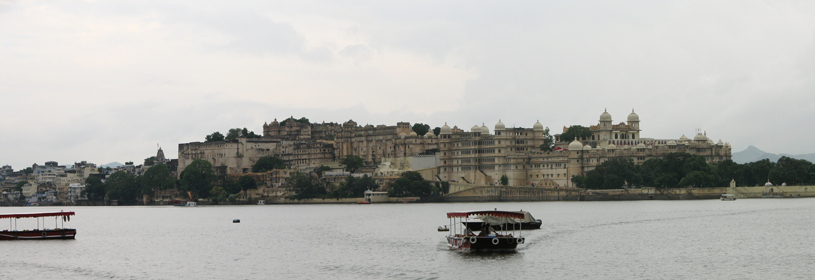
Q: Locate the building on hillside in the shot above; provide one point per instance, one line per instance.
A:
(75, 193)
(480, 158)
(239, 155)
(268, 183)
(376, 143)
(294, 130)
(228, 157)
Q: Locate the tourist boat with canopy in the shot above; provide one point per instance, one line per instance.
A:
(57, 232)
(461, 237)
(528, 222)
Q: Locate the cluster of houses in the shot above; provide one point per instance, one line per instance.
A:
(53, 184)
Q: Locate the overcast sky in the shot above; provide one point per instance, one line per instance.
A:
(106, 81)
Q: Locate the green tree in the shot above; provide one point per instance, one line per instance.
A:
(156, 178)
(247, 182)
(410, 183)
(123, 187)
(248, 134)
(217, 194)
(302, 120)
(233, 134)
(445, 187)
(20, 185)
(320, 170)
(268, 163)
(548, 141)
(579, 181)
(726, 170)
(95, 189)
(437, 131)
(611, 174)
(699, 179)
(149, 161)
(649, 171)
(215, 136)
(197, 178)
(790, 171)
(355, 187)
(28, 170)
(504, 180)
(420, 128)
(304, 186)
(128, 163)
(231, 186)
(352, 163)
(575, 131)
(759, 171)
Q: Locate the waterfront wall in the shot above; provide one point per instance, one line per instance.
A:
(337, 200)
(784, 191)
(502, 193)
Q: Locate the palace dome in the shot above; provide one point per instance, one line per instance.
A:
(484, 129)
(611, 146)
(671, 142)
(587, 148)
(719, 143)
(445, 130)
(605, 117)
(699, 137)
(683, 138)
(499, 126)
(575, 145)
(537, 126)
(413, 134)
(633, 117)
(641, 146)
(475, 128)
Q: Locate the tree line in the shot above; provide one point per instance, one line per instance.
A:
(677, 170)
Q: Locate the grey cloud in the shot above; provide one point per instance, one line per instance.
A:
(357, 52)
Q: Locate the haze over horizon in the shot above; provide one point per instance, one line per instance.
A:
(106, 81)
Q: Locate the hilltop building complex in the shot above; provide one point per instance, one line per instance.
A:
(463, 158)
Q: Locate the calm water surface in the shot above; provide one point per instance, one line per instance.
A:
(702, 239)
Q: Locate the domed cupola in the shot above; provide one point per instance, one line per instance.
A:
(605, 117)
(575, 146)
(537, 126)
(445, 130)
(499, 126)
(633, 117)
(699, 137)
(484, 129)
(475, 128)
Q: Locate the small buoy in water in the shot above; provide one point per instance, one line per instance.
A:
(235, 221)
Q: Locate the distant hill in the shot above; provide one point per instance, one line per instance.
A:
(752, 154)
(112, 165)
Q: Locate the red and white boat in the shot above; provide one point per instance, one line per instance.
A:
(487, 238)
(57, 232)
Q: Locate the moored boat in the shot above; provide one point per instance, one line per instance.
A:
(39, 233)
(462, 237)
(728, 197)
(527, 222)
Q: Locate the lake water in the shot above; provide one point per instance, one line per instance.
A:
(699, 239)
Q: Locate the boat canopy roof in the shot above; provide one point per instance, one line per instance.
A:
(491, 213)
(36, 215)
